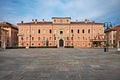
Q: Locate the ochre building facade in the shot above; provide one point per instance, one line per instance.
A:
(60, 32)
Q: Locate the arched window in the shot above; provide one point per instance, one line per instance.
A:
(78, 31)
(71, 30)
(88, 30)
(83, 31)
(50, 31)
(39, 31)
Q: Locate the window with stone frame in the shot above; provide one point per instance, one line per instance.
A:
(39, 31)
(50, 31)
(89, 31)
(78, 38)
(32, 31)
(83, 31)
(71, 30)
(32, 38)
(44, 31)
(78, 31)
(26, 38)
(38, 38)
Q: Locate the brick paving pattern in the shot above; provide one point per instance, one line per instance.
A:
(59, 64)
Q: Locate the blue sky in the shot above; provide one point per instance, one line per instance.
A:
(14, 11)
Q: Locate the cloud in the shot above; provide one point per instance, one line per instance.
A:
(77, 9)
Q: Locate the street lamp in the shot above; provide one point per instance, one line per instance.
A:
(30, 35)
(107, 24)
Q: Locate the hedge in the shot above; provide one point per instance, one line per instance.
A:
(23, 47)
(68, 46)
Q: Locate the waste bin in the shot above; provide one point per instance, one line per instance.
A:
(105, 49)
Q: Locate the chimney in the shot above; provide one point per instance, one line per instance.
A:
(32, 20)
(21, 21)
(93, 21)
(86, 20)
(76, 20)
(43, 20)
(35, 21)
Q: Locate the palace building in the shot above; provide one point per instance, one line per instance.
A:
(60, 32)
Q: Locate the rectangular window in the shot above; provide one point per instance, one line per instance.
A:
(22, 38)
(89, 38)
(26, 38)
(32, 38)
(43, 38)
(94, 31)
(54, 38)
(27, 31)
(50, 38)
(78, 38)
(67, 31)
(38, 38)
(89, 44)
(44, 31)
(32, 31)
(71, 38)
(100, 31)
(54, 20)
(83, 37)
(54, 31)
(61, 21)
(67, 38)
(22, 31)
(88, 30)
(83, 44)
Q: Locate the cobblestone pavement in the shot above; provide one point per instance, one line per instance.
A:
(59, 64)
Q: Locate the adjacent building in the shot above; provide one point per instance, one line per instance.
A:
(60, 32)
(117, 28)
(9, 32)
(113, 36)
(3, 38)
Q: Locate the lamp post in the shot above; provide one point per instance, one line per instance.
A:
(107, 24)
(30, 35)
(0, 36)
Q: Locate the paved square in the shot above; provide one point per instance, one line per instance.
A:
(59, 64)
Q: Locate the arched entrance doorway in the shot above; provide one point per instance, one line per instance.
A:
(61, 43)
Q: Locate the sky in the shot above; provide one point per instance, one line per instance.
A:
(15, 11)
